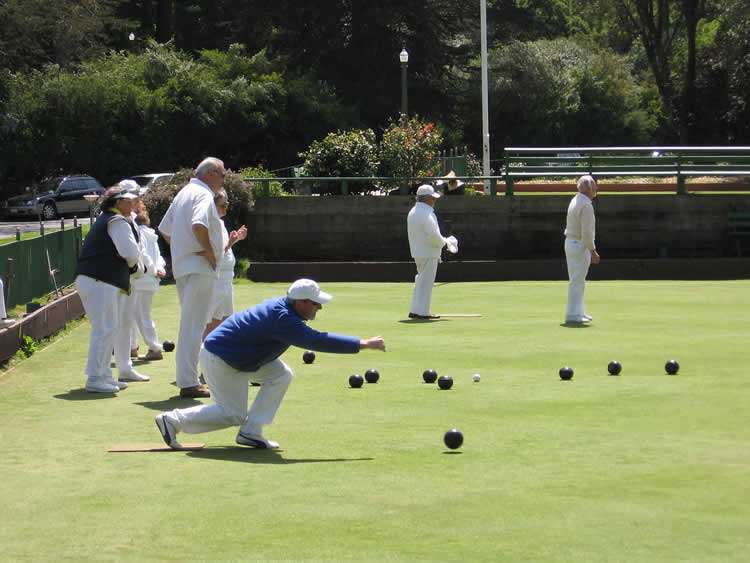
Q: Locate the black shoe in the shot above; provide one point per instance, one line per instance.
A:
(415, 316)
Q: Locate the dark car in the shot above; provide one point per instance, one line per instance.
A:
(56, 196)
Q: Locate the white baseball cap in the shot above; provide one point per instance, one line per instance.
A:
(426, 189)
(308, 289)
(130, 185)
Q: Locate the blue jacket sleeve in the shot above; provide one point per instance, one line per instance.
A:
(293, 331)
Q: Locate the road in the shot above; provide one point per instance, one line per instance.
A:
(8, 228)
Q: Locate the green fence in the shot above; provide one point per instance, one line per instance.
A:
(25, 265)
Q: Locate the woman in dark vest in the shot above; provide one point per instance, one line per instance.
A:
(109, 258)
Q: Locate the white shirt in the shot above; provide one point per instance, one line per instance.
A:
(227, 262)
(581, 223)
(193, 205)
(123, 238)
(425, 240)
(152, 259)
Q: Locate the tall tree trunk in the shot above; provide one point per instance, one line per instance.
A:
(164, 19)
(651, 19)
(691, 11)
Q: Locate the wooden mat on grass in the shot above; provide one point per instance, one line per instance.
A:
(457, 315)
(153, 448)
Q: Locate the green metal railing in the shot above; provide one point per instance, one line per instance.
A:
(528, 163)
(682, 162)
(380, 184)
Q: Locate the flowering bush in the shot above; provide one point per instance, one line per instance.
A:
(343, 154)
(408, 151)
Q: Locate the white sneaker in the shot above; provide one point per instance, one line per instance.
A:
(587, 318)
(100, 385)
(5, 323)
(256, 441)
(168, 431)
(133, 376)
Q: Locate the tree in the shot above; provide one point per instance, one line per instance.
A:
(38, 32)
(661, 24)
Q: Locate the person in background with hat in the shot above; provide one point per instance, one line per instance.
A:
(425, 245)
(109, 260)
(580, 248)
(453, 186)
(246, 348)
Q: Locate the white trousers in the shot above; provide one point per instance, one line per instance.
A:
(144, 324)
(229, 388)
(195, 292)
(578, 258)
(122, 338)
(102, 304)
(423, 282)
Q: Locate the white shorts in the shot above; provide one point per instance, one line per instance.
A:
(223, 300)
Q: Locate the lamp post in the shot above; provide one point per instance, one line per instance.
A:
(403, 56)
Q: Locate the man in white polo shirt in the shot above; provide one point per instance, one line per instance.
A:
(580, 248)
(425, 245)
(192, 227)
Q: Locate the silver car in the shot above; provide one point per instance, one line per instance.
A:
(145, 181)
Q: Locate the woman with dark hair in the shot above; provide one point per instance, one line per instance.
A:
(110, 257)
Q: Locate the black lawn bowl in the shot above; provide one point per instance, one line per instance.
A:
(372, 376)
(168, 346)
(566, 373)
(429, 375)
(672, 367)
(614, 367)
(445, 382)
(308, 357)
(356, 381)
(453, 439)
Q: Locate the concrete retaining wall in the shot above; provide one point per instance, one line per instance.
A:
(368, 228)
(42, 323)
(504, 270)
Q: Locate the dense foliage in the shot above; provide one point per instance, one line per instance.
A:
(127, 113)
(78, 94)
(342, 154)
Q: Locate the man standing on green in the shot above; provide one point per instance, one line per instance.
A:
(580, 248)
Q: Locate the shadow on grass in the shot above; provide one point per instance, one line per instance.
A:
(254, 455)
(575, 325)
(83, 395)
(175, 402)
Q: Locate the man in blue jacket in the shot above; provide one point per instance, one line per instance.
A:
(245, 348)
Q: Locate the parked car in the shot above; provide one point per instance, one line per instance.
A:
(56, 196)
(145, 181)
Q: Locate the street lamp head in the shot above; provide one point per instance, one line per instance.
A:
(403, 56)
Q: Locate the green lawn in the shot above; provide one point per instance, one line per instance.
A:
(640, 467)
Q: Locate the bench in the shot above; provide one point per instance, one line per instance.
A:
(738, 224)
(682, 162)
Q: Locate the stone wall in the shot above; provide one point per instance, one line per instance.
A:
(368, 228)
